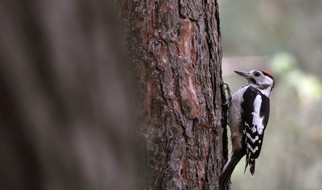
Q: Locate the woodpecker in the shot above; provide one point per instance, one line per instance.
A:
(248, 114)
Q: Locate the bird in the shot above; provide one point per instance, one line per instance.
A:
(248, 115)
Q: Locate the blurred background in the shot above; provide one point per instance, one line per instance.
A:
(284, 37)
(67, 119)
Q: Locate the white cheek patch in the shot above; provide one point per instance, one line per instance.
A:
(264, 83)
(266, 80)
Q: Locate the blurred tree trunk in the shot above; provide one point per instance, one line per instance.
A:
(65, 110)
(177, 50)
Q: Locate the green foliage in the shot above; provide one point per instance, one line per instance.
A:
(307, 86)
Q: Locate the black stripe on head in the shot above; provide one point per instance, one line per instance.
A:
(263, 86)
(253, 80)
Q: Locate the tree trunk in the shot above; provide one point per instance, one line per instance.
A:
(65, 110)
(177, 50)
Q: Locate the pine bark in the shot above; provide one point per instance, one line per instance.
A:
(177, 50)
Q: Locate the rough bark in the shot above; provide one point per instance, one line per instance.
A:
(65, 110)
(177, 50)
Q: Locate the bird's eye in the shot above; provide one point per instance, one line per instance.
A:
(257, 74)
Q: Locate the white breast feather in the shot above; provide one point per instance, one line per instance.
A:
(235, 109)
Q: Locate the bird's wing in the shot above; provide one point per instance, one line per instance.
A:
(255, 117)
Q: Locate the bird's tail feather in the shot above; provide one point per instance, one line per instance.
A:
(229, 167)
(251, 163)
(252, 167)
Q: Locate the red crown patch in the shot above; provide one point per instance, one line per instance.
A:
(267, 73)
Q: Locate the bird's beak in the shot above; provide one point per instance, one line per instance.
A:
(244, 74)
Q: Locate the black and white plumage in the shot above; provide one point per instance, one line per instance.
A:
(248, 115)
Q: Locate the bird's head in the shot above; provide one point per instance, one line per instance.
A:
(260, 79)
